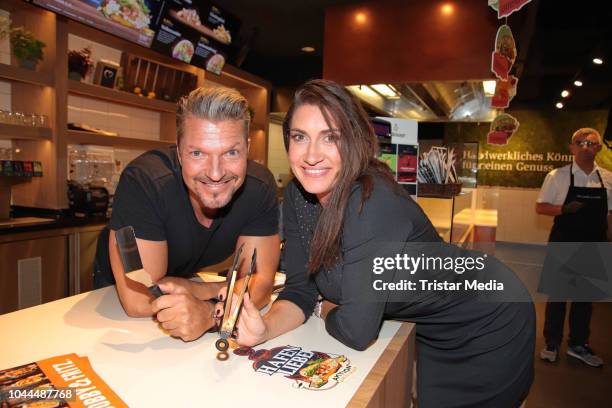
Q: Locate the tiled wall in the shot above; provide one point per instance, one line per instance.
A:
(277, 156)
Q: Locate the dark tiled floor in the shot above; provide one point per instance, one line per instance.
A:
(568, 382)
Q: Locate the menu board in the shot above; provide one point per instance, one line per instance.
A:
(133, 20)
(196, 32)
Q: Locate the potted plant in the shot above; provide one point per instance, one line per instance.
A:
(79, 63)
(26, 47)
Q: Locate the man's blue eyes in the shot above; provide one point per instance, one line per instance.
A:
(229, 153)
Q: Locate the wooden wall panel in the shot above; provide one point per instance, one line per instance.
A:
(54, 269)
(404, 41)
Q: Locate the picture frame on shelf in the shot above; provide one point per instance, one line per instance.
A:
(106, 74)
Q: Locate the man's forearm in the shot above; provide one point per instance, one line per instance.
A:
(134, 298)
(548, 209)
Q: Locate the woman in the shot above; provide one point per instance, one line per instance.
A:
(339, 212)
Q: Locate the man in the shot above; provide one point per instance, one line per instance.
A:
(579, 196)
(191, 206)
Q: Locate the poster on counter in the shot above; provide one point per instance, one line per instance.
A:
(198, 33)
(506, 7)
(504, 92)
(305, 369)
(62, 381)
(501, 130)
(505, 53)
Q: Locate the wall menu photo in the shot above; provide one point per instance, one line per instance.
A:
(133, 20)
(198, 33)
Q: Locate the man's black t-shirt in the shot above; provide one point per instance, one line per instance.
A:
(152, 197)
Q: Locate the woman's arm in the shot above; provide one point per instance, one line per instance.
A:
(254, 329)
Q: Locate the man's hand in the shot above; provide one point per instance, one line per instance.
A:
(572, 207)
(182, 314)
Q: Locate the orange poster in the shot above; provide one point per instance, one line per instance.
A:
(63, 381)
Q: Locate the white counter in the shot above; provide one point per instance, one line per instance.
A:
(146, 367)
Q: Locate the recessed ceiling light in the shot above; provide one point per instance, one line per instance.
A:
(361, 17)
(447, 9)
(578, 83)
(308, 49)
(564, 93)
(559, 105)
(597, 61)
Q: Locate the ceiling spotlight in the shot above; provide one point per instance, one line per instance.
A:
(489, 87)
(388, 91)
(447, 9)
(578, 83)
(597, 61)
(564, 93)
(360, 17)
(308, 49)
(559, 105)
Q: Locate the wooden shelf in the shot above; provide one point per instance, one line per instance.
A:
(81, 137)
(10, 131)
(121, 97)
(27, 76)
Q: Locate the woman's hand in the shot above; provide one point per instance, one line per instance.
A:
(251, 327)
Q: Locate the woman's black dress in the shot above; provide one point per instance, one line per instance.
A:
(470, 351)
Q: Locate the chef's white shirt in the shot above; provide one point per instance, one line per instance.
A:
(557, 182)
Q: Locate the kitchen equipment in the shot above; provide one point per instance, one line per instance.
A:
(230, 317)
(87, 201)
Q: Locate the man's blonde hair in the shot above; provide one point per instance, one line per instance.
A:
(213, 104)
(586, 132)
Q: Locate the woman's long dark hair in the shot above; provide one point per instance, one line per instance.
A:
(358, 147)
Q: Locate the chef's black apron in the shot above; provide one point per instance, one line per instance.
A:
(559, 278)
(589, 224)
